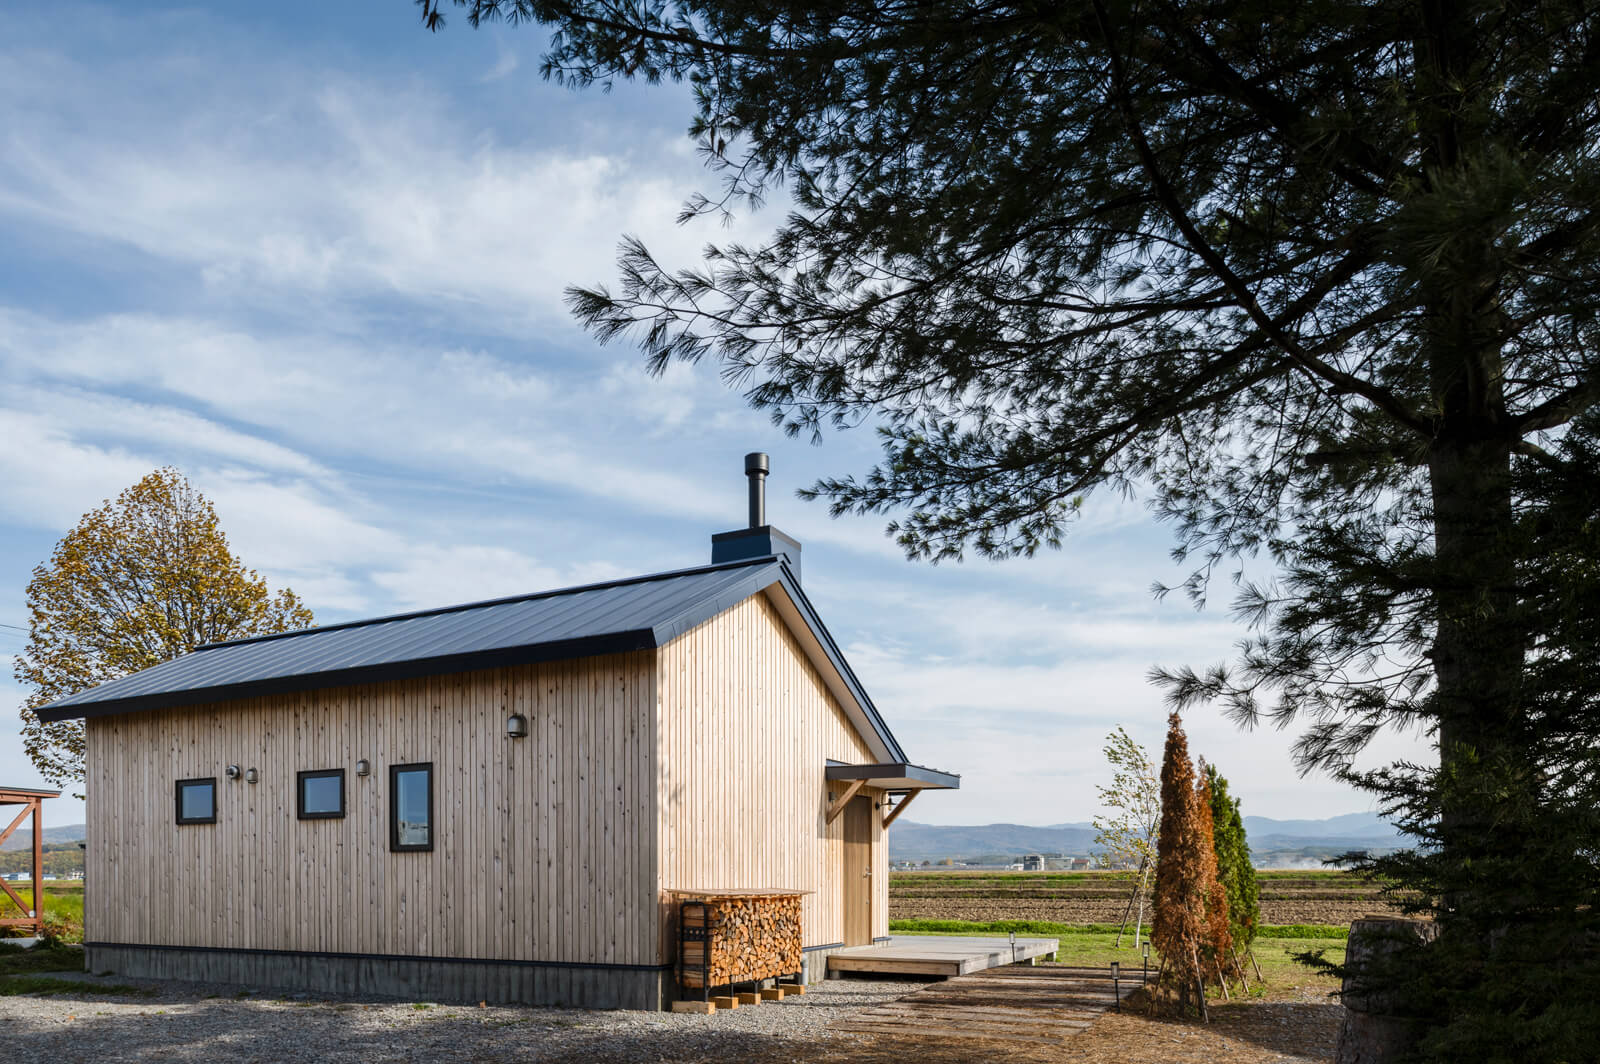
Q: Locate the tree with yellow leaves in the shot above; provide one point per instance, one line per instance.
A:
(136, 582)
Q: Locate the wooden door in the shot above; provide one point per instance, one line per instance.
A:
(857, 880)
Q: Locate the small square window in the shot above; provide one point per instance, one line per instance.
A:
(411, 807)
(320, 794)
(197, 801)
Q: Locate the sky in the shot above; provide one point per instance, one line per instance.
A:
(314, 257)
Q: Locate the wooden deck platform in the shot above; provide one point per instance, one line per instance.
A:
(947, 955)
(1010, 1004)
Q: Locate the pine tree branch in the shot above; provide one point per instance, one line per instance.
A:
(1175, 210)
(1559, 409)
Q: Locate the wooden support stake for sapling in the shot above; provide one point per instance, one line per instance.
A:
(1244, 981)
(1200, 982)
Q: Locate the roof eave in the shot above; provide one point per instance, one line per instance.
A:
(501, 657)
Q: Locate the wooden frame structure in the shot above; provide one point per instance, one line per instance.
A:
(32, 802)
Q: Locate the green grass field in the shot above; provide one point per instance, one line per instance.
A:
(1094, 945)
(1051, 929)
(63, 906)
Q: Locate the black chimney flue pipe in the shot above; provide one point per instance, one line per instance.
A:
(756, 468)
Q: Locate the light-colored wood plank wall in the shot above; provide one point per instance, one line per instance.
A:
(545, 847)
(747, 726)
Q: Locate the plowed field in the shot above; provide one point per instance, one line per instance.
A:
(1101, 897)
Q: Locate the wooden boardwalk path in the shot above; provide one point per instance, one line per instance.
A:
(1016, 1003)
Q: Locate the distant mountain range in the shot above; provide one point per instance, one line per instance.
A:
(911, 841)
(23, 840)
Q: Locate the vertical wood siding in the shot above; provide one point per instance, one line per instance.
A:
(544, 847)
(746, 728)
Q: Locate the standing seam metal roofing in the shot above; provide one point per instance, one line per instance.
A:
(609, 618)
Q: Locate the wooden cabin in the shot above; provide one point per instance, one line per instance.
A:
(493, 801)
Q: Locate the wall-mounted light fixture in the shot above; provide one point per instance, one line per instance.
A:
(363, 767)
(233, 772)
(517, 726)
(250, 775)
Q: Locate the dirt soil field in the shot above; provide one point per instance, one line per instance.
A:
(1108, 910)
(1090, 898)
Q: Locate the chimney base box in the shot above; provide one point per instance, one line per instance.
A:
(755, 543)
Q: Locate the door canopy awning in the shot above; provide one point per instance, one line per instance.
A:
(895, 776)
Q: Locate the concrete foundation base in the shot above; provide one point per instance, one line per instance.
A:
(439, 979)
(814, 966)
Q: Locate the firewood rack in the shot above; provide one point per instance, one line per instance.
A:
(695, 932)
(702, 916)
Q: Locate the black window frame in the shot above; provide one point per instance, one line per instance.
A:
(395, 845)
(177, 800)
(300, 794)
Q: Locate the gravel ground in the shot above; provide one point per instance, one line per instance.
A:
(195, 1022)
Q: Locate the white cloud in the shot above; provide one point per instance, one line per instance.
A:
(505, 65)
(339, 188)
(440, 411)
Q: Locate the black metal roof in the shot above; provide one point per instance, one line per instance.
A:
(636, 614)
(899, 776)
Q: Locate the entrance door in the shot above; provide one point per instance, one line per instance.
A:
(857, 884)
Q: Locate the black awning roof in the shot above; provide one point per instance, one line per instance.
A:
(897, 776)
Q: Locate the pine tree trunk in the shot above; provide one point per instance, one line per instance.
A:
(1479, 646)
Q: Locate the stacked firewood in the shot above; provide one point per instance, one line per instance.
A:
(751, 938)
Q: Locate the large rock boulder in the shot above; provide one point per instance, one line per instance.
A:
(1373, 1032)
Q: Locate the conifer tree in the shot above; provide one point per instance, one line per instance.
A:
(1218, 937)
(1322, 279)
(1234, 868)
(1179, 929)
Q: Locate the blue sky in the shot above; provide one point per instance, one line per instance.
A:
(313, 257)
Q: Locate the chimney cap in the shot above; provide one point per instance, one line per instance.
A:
(756, 462)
